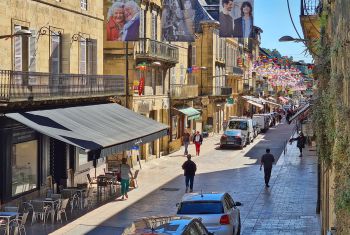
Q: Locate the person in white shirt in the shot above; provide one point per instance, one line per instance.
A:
(125, 173)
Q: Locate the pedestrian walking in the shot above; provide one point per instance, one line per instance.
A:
(300, 142)
(125, 173)
(190, 169)
(197, 140)
(266, 160)
(186, 141)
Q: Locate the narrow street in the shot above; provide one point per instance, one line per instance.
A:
(287, 207)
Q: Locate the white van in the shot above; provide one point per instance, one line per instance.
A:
(263, 121)
(245, 125)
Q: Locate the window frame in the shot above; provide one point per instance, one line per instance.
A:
(84, 4)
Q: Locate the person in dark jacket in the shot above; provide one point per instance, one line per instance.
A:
(300, 142)
(186, 141)
(190, 169)
(267, 160)
(243, 26)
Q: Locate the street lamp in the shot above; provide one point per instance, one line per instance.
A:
(291, 39)
(21, 32)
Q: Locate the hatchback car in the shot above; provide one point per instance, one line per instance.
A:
(233, 138)
(218, 211)
(172, 225)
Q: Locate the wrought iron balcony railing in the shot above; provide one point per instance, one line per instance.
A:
(148, 48)
(310, 7)
(21, 86)
(183, 91)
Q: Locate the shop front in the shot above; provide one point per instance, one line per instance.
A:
(49, 148)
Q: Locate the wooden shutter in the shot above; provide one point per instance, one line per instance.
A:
(32, 52)
(65, 55)
(18, 51)
(154, 25)
(92, 56)
(55, 54)
(82, 57)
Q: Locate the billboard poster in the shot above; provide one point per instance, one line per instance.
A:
(178, 20)
(123, 20)
(236, 18)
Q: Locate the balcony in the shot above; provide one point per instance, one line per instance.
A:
(147, 48)
(181, 91)
(309, 18)
(18, 86)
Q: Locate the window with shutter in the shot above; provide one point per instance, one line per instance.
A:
(55, 54)
(32, 52)
(193, 55)
(142, 30)
(92, 56)
(154, 25)
(83, 4)
(82, 57)
(173, 77)
(18, 50)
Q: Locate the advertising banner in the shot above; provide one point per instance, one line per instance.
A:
(123, 21)
(178, 20)
(236, 18)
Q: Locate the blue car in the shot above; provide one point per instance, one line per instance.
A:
(233, 138)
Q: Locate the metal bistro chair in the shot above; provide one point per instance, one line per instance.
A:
(18, 224)
(91, 180)
(39, 209)
(62, 209)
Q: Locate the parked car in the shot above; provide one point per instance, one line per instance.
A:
(218, 211)
(263, 121)
(233, 138)
(245, 125)
(173, 225)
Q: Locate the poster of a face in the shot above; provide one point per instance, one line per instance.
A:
(178, 20)
(123, 21)
(236, 18)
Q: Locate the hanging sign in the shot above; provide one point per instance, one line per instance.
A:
(141, 85)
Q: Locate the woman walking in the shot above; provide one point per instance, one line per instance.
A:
(125, 174)
(197, 140)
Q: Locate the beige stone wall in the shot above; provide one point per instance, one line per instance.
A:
(66, 16)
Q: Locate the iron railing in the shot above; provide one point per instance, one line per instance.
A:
(310, 7)
(18, 85)
(148, 48)
(183, 91)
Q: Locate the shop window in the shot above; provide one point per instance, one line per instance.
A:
(24, 163)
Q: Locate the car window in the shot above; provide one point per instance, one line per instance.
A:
(200, 207)
(202, 230)
(241, 125)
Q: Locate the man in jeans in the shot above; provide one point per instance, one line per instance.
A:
(189, 168)
(267, 159)
(186, 141)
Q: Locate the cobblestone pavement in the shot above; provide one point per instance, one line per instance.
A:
(287, 207)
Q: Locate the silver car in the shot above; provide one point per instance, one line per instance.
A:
(218, 211)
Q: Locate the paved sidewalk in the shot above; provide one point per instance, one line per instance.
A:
(287, 207)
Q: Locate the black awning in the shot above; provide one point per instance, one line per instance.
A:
(109, 128)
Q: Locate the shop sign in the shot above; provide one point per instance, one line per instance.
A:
(143, 107)
(229, 101)
(23, 136)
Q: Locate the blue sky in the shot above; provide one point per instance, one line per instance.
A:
(273, 17)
